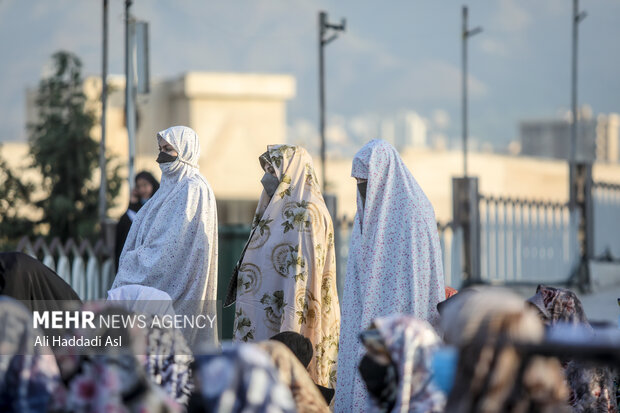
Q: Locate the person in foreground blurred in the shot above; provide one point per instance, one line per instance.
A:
(492, 376)
(592, 387)
(29, 374)
(239, 378)
(114, 378)
(394, 264)
(301, 347)
(146, 186)
(172, 244)
(168, 355)
(397, 365)
(286, 279)
(307, 396)
(28, 280)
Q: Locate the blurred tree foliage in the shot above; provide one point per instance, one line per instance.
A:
(66, 157)
(14, 198)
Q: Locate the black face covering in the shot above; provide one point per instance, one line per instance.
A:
(270, 183)
(361, 187)
(380, 380)
(166, 157)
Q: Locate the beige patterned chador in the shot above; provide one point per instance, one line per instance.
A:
(287, 276)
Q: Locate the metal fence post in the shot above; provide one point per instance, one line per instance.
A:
(466, 214)
(581, 191)
(584, 199)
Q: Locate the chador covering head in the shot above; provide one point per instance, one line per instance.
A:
(394, 263)
(287, 276)
(172, 244)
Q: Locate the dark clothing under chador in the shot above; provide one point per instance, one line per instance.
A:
(122, 229)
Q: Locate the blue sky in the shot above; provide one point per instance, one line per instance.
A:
(397, 54)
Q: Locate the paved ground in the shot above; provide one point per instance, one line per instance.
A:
(603, 305)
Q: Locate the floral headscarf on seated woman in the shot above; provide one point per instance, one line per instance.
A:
(286, 277)
(240, 378)
(28, 374)
(399, 349)
(591, 387)
(558, 305)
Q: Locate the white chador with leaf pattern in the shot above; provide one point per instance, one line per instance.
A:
(172, 244)
(287, 277)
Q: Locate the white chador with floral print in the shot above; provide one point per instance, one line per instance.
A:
(287, 277)
(394, 263)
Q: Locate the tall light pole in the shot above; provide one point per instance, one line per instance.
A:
(130, 114)
(576, 19)
(324, 39)
(466, 33)
(104, 97)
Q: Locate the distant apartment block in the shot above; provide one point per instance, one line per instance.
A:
(597, 139)
(406, 129)
(608, 138)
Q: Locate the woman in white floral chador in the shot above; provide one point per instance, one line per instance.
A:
(394, 263)
(172, 243)
(286, 278)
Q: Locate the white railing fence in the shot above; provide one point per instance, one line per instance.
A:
(606, 205)
(88, 269)
(451, 240)
(527, 241)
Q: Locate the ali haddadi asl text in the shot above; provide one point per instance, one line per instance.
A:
(60, 341)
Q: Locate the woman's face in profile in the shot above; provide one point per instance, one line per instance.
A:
(166, 147)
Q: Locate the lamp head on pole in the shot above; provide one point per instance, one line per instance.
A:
(474, 32)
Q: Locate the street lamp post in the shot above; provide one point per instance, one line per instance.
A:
(324, 39)
(576, 19)
(466, 33)
(104, 97)
(130, 114)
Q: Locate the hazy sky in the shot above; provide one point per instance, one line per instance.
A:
(396, 54)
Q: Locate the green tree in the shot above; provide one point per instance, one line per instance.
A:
(65, 153)
(14, 198)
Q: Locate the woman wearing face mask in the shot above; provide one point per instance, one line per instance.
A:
(394, 263)
(285, 279)
(172, 244)
(146, 186)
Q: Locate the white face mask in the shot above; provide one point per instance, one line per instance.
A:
(169, 168)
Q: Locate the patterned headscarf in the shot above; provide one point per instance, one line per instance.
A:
(28, 374)
(592, 387)
(172, 243)
(394, 263)
(558, 305)
(492, 376)
(168, 355)
(168, 361)
(240, 378)
(287, 277)
(410, 343)
(307, 396)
